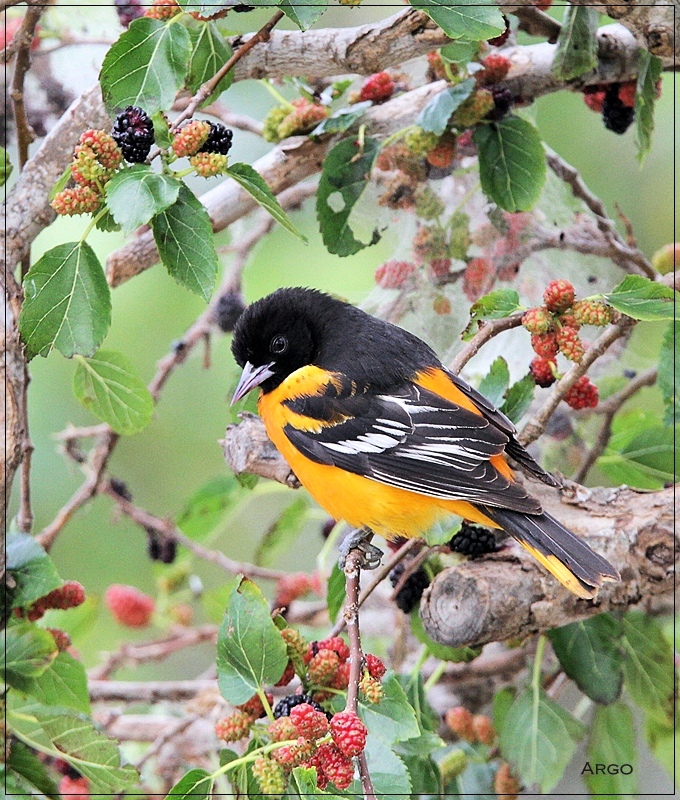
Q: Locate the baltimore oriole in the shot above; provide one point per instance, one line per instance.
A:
(386, 438)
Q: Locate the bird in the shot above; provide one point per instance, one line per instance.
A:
(386, 438)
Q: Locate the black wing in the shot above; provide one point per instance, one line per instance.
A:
(412, 439)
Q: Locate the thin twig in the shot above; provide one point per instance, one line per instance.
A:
(629, 257)
(609, 408)
(487, 331)
(356, 659)
(225, 115)
(147, 691)
(174, 730)
(535, 427)
(168, 529)
(23, 38)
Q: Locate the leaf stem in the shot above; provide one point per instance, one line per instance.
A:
(277, 95)
(538, 663)
(265, 703)
(438, 671)
(93, 222)
(238, 762)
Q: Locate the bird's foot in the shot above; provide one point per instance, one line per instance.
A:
(359, 539)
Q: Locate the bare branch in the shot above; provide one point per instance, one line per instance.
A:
(147, 691)
(509, 594)
(488, 330)
(609, 408)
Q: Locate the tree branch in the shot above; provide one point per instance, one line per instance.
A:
(508, 594)
(147, 691)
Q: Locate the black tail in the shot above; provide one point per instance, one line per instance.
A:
(566, 556)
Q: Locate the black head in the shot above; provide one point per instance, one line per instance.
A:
(292, 328)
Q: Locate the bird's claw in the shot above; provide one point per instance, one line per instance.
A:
(371, 556)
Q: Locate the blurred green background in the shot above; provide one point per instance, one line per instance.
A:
(179, 450)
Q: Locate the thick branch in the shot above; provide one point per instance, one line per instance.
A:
(509, 594)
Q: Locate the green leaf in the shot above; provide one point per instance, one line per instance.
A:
(25, 763)
(106, 222)
(388, 772)
(511, 163)
(538, 738)
(392, 719)
(477, 779)
(250, 650)
(643, 299)
(304, 13)
(437, 113)
(209, 53)
(136, 194)
(590, 653)
(251, 180)
(649, 72)
(61, 733)
(669, 373)
(495, 305)
(6, 166)
(460, 52)
(304, 780)
(28, 649)
(161, 130)
(63, 683)
(428, 719)
(440, 651)
(206, 508)
(146, 67)
(184, 237)
(612, 742)
(195, 783)
(519, 398)
(495, 383)
(108, 385)
(577, 43)
(647, 461)
(346, 171)
(342, 119)
(648, 666)
(67, 302)
(31, 568)
(335, 592)
(424, 774)
(502, 703)
(280, 538)
(60, 184)
(474, 20)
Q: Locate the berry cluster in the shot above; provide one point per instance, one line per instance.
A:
(496, 68)
(163, 9)
(207, 145)
(471, 540)
(378, 88)
(68, 595)
(616, 103)
(554, 329)
(134, 134)
(129, 606)
(470, 727)
(229, 308)
(301, 116)
(294, 585)
(408, 596)
(128, 11)
(393, 274)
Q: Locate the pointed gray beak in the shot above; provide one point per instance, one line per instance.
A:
(250, 378)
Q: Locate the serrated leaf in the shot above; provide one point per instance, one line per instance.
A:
(67, 302)
(577, 43)
(495, 383)
(250, 650)
(25, 763)
(437, 113)
(649, 72)
(519, 398)
(669, 373)
(388, 772)
(136, 194)
(496, 305)
(440, 651)
(392, 719)
(251, 180)
(195, 783)
(107, 223)
(644, 299)
(477, 780)
(108, 385)
(280, 538)
(538, 739)
(209, 53)
(305, 781)
(184, 237)
(61, 733)
(304, 13)
(474, 20)
(5, 166)
(146, 67)
(612, 742)
(346, 171)
(648, 666)
(342, 119)
(590, 654)
(207, 506)
(28, 649)
(31, 568)
(512, 163)
(428, 719)
(426, 780)
(335, 592)
(63, 683)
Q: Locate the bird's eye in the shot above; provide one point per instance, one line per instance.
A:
(279, 345)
